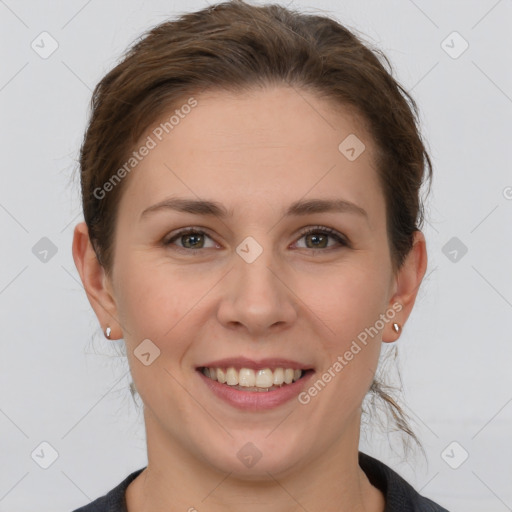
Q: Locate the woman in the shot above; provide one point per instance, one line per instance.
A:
(250, 180)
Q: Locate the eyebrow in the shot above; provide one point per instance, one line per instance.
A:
(212, 208)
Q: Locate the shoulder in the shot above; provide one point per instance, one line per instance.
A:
(399, 494)
(114, 500)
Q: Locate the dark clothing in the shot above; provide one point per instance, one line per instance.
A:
(400, 496)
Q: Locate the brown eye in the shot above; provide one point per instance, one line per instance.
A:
(190, 238)
(318, 238)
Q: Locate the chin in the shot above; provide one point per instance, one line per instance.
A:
(252, 457)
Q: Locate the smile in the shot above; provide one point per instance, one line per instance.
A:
(248, 379)
(259, 388)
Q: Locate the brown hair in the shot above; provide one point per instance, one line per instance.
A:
(235, 46)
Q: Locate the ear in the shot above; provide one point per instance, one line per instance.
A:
(407, 283)
(96, 283)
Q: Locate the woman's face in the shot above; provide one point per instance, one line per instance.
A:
(253, 291)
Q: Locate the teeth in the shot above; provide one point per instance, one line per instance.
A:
(264, 378)
(246, 378)
(249, 378)
(231, 377)
(221, 375)
(278, 376)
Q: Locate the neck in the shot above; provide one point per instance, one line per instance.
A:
(176, 481)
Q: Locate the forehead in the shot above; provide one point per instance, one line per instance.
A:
(276, 144)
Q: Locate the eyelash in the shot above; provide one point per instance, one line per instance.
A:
(342, 241)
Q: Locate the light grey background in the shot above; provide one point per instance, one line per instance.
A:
(59, 387)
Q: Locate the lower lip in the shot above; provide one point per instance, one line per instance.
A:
(256, 400)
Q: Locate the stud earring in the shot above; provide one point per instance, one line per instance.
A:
(108, 330)
(396, 327)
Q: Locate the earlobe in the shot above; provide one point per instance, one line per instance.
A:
(407, 283)
(94, 280)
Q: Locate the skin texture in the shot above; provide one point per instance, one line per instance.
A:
(254, 153)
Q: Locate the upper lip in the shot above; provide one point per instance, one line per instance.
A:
(244, 362)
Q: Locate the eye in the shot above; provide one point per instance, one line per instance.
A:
(319, 235)
(192, 238)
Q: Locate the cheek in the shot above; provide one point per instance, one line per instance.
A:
(351, 308)
(351, 301)
(153, 300)
(156, 304)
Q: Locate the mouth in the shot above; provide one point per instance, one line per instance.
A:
(254, 385)
(254, 380)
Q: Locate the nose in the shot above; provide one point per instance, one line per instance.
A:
(258, 297)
